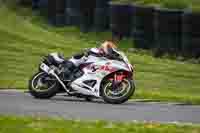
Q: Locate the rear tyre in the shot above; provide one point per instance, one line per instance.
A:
(41, 88)
(117, 95)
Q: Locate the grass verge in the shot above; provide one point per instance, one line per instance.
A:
(10, 124)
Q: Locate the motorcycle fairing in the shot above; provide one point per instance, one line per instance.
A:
(97, 71)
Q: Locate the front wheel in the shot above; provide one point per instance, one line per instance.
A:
(120, 93)
(43, 86)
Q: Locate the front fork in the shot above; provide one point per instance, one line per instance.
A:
(116, 81)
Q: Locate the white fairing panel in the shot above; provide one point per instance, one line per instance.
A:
(96, 71)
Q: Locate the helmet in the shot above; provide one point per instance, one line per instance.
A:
(107, 45)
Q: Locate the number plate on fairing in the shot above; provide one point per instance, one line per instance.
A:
(44, 67)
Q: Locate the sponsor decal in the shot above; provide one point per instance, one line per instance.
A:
(105, 67)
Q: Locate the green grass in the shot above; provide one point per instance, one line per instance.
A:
(25, 38)
(10, 124)
(194, 5)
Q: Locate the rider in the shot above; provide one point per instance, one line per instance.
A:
(106, 49)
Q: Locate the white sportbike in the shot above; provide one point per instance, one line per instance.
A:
(98, 77)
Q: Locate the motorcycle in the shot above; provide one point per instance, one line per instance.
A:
(98, 77)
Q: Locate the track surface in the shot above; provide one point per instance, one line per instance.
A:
(73, 108)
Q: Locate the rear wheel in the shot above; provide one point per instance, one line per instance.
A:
(120, 94)
(43, 86)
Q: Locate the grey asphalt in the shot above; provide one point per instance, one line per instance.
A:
(19, 103)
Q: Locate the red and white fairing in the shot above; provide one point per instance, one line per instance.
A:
(98, 69)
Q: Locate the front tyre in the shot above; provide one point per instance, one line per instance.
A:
(120, 94)
(43, 86)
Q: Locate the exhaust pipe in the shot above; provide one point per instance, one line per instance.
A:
(55, 75)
